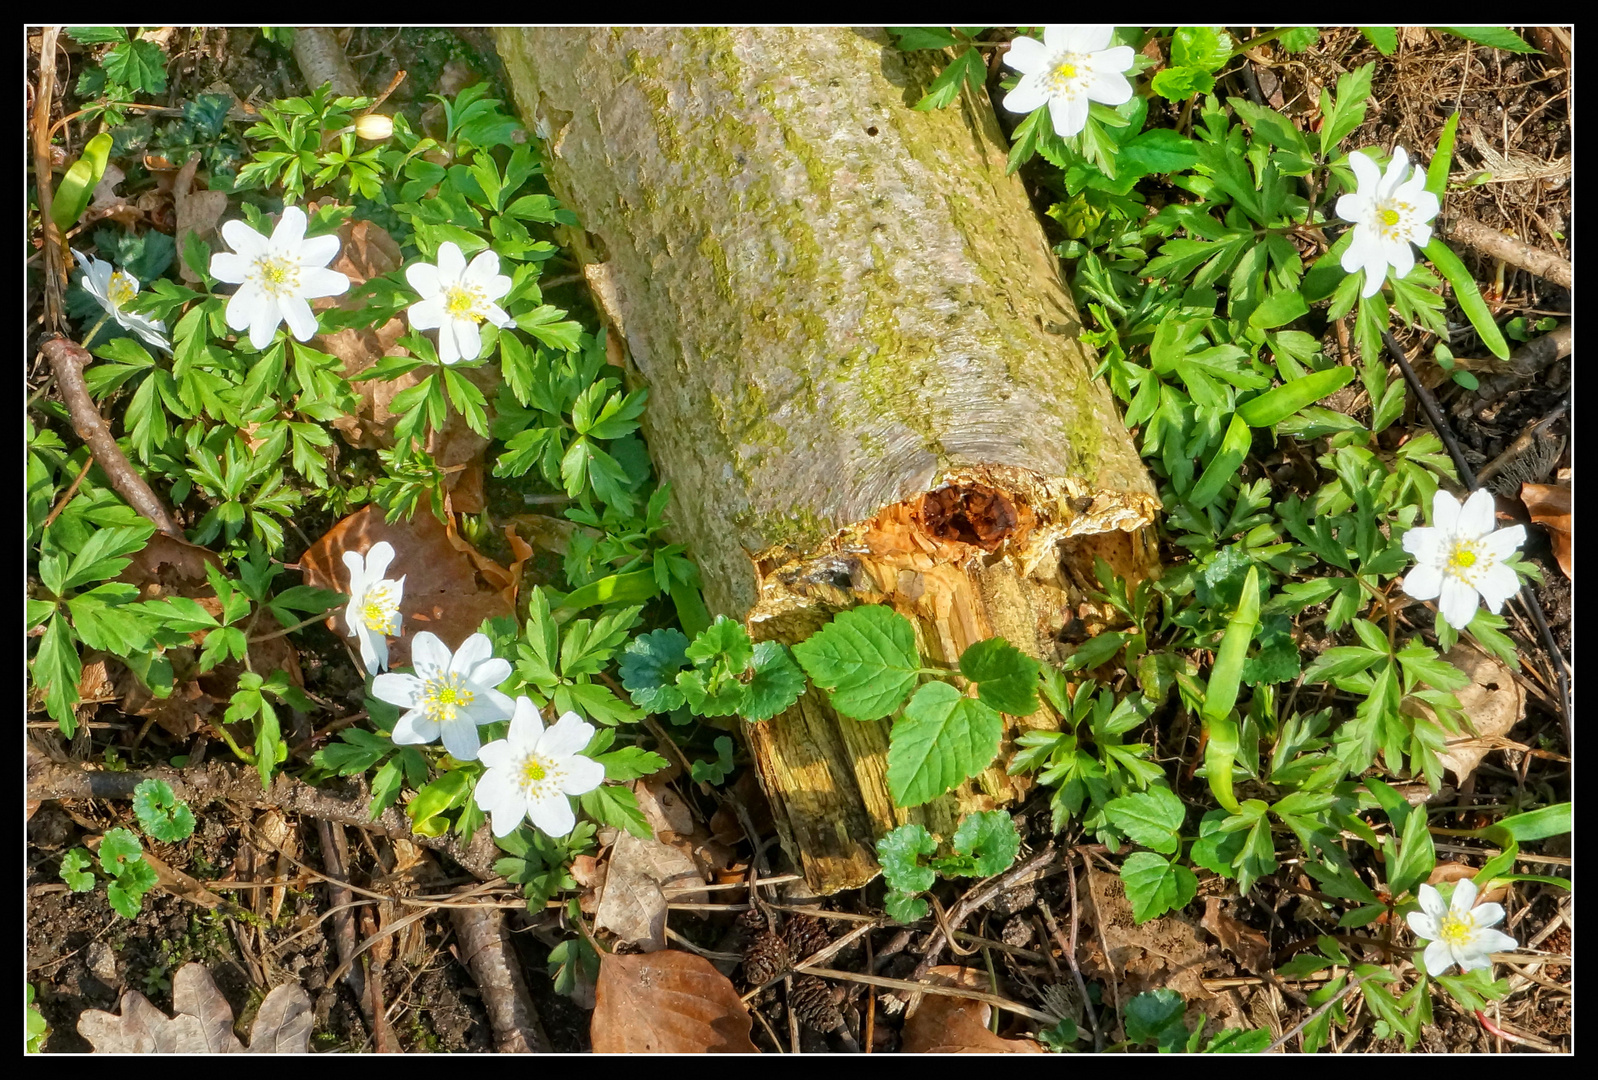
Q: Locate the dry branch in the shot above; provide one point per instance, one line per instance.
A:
(1497, 245)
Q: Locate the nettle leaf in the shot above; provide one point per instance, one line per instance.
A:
(1006, 678)
(726, 641)
(943, 738)
(900, 852)
(160, 813)
(989, 838)
(1155, 885)
(649, 667)
(866, 657)
(777, 682)
(1152, 818)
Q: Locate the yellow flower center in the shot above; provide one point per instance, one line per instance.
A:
(1069, 73)
(1462, 558)
(124, 287)
(278, 276)
(1389, 217)
(1466, 562)
(1456, 929)
(444, 696)
(463, 302)
(380, 611)
(533, 770)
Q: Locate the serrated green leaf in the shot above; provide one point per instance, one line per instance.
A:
(1494, 37)
(724, 644)
(630, 762)
(1207, 48)
(118, 848)
(776, 684)
(942, 739)
(1385, 38)
(866, 657)
(138, 65)
(1155, 885)
(75, 870)
(1152, 818)
(160, 813)
(904, 907)
(1006, 678)
(989, 837)
(649, 667)
(899, 851)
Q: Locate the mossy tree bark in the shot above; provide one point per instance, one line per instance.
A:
(866, 383)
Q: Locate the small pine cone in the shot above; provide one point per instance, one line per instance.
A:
(765, 959)
(805, 935)
(811, 1001)
(753, 920)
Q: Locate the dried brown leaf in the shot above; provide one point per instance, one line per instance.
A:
(667, 1003)
(202, 1022)
(1549, 506)
(198, 212)
(951, 1025)
(1457, 871)
(450, 588)
(1493, 701)
(633, 904)
(1251, 948)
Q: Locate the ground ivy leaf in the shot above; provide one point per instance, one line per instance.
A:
(943, 738)
(1006, 677)
(904, 907)
(1152, 818)
(866, 657)
(1155, 886)
(160, 813)
(989, 836)
(75, 870)
(118, 849)
(649, 667)
(899, 853)
(724, 640)
(777, 683)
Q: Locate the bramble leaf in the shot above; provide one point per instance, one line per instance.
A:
(1006, 678)
(866, 657)
(1155, 885)
(943, 738)
(1152, 818)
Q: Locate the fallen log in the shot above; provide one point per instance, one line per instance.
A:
(866, 379)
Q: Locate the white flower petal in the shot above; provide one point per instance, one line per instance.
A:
(582, 776)
(1485, 915)
(1375, 275)
(1118, 59)
(1402, 258)
(1423, 582)
(451, 263)
(1426, 205)
(1110, 87)
(428, 651)
(264, 327)
(468, 339)
(1069, 115)
(567, 736)
(297, 313)
(1491, 941)
(395, 689)
(552, 814)
(460, 738)
(1425, 544)
(1432, 903)
(1464, 897)
(1420, 235)
(1445, 512)
(508, 815)
(473, 651)
(498, 316)
(243, 239)
(426, 314)
(1476, 518)
(289, 234)
(448, 351)
(246, 307)
(318, 251)
(1439, 958)
(497, 785)
(1497, 585)
(228, 267)
(526, 725)
(1472, 961)
(482, 269)
(1026, 55)
(1422, 925)
(423, 277)
(1079, 38)
(1367, 174)
(378, 556)
(414, 729)
(1457, 602)
(1029, 94)
(369, 641)
(316, 282)
(496, 755)
(1363, 249)
(1504, 542)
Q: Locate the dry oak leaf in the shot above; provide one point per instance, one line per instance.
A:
(1494, 703)
(667, 1003)
(203, 1023)
(633, 904)
(1549, 506)
(951, 1025)
(450, 587)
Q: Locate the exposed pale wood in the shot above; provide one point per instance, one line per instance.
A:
(866, 383)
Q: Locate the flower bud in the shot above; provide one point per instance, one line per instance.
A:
(374, 127)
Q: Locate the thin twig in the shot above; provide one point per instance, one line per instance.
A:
(979, 896)
(66, 496)
(1322, 1008)
(927, 988)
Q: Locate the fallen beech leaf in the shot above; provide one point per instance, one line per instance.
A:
(198, 212)
(951, 1025)
(1493, 701)
(1457, 871)
(450, 587)
(1549, 506)
(1248, 945)
(203, 1021)
(667, 1002)
(633, 905)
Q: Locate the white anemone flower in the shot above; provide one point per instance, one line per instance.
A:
(277, 276)
(1070, 67)
(456, 298)
(1390, 212)
(532, 771)
(1461, 556)
(112, 288)
(449, 696)
(1458, 931)
(373, 614)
